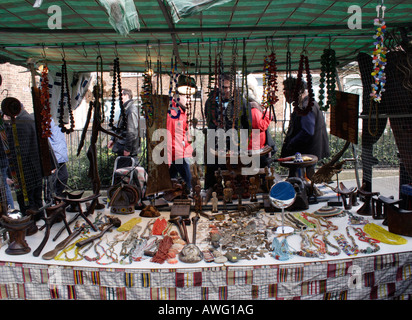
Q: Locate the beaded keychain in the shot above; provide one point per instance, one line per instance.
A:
(379, 56)
(45, 102)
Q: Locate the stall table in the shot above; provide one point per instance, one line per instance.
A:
(386, 274)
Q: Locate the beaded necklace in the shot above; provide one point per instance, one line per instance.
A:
(77, 255)
(379, 56)
(362, 237)
(117, 79)
(270, 84)
(345, 246)
(303, 62)
(328, 243)
(379, 233)
(305, 247)
(65, 95)
(328, 76)
(45, 103)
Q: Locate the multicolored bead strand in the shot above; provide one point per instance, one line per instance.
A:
(379, 57)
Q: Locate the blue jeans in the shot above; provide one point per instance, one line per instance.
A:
(9, 196)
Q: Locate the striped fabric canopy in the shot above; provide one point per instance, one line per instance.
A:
(249, 28)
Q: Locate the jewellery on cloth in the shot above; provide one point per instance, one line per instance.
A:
(328, 243)
(305, 247)
(384, 236)
(77, 255)
(362, 237)
(356, 220)
(345, 246)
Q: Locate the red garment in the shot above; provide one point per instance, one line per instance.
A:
(178, 145)
(258, 122)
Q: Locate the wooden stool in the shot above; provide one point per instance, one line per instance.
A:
(366, 209)
(17, 233)
(77, 202)
(348, 195)
(399, 220)
(54, 214)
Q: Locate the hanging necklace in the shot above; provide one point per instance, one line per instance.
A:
(379, 56)
(117, 80)
(45, 103)
(328, 77)
(303, 63)
(65, 96)
(270, 84)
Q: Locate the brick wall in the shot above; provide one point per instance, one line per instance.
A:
(16, 83)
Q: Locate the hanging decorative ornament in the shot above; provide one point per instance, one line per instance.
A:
(174, 112)
(65, 96)
(147, 103)
(45, 103)
(328, 78)
(297, 103)
(379, 56)
(270, 85)
(117, 80)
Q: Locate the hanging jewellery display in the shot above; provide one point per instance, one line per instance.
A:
(270, 84)
(297, 103)
(379, 56)
(65, 97)
(45, 103)
(117, 80)
(328, 78)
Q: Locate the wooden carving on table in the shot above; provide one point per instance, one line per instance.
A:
(95, 107)
(159, 177)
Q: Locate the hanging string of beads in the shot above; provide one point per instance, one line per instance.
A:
(117, 81)
(303, 63)
(328, 78)
(379, 56)
(270, 84)
(45, 102)
(233, 70)
(147, 105)
(65, 96)
(172, 88)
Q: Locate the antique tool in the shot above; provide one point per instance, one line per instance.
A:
(178, 221)
(114, 222)
(52, 253)
(191, 252)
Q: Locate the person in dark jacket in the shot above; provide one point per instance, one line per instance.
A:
(129, 144)
(29, 154)
(306, 133)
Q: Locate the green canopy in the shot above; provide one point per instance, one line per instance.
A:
(249, 28)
